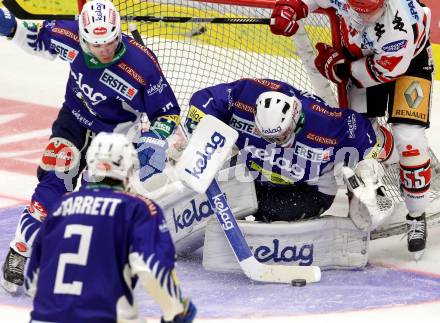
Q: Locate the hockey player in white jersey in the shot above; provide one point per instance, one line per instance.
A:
(121, 238)
(386, 61)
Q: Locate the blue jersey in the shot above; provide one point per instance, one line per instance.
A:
(328, 135)
(105, 98)
(90, 250)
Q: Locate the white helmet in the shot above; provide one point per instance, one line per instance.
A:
(111, 155)
(277, 116)
(99, 23)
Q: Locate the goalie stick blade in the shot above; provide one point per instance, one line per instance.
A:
(279, 274)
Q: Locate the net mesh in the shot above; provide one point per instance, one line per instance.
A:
(197, 55)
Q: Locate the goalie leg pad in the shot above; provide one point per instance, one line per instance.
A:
(187, 212)
(328, 242)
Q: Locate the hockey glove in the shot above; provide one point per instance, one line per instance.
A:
(332, 64)
(151, 150)
(7, 22)
(285, 15)
(187, 316)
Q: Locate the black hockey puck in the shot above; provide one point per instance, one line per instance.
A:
(298, 282)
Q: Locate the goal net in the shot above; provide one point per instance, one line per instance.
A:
(196, 55)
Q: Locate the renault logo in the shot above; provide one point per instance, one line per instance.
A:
(414, 95)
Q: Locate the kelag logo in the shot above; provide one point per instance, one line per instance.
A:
(196, 212)
(217, 140)
(302, 255)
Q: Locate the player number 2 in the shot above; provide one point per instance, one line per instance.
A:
(79, 258)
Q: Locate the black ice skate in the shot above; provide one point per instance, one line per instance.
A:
(416, 231)
(13, 271)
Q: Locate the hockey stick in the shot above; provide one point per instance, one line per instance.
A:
(21, 13)
(197, 169)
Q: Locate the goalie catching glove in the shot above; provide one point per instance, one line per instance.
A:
(151, 149)
(368, 205)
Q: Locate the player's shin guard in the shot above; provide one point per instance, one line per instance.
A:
(21, 246)
(415, 178)
(415, 181)
(27, 229)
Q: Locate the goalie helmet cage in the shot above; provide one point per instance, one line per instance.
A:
(195, 55)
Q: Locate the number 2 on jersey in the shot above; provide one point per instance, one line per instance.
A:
(79, 258)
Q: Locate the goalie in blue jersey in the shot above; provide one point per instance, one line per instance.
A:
(113, 84)
(290, 141)
(95, 245)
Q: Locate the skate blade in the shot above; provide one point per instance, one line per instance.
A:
(9, 287)
(418, 254)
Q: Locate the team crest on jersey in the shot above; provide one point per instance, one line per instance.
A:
(118, 84)
(65, 52)
(352, 126)
(156, 88)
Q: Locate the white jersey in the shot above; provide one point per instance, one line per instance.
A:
(384, 50)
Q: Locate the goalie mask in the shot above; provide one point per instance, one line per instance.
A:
(111, 155)
(99, 24)
(365, 12)
(277, 117)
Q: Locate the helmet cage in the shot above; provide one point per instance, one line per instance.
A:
(276, 117)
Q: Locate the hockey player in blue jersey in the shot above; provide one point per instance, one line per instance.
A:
(291, 141)
(96, 243)
(113, 83)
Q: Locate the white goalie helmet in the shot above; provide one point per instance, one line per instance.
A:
(277, 117)
(111, 155)
(99, 23)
